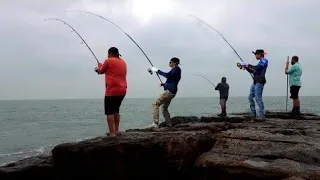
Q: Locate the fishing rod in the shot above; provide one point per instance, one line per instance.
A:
(287, 87)
(83, 41)
(205, 79)
(124, 33)
(220, 35)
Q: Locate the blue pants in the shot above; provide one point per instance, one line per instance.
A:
(256, 91)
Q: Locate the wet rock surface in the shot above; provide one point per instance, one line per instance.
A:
(38, 167)
(234, 147)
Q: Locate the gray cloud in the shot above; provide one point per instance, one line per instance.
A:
(46, 60)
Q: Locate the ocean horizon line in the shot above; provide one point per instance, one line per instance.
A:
(183, 97)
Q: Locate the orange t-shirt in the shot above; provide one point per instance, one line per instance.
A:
(115, 70)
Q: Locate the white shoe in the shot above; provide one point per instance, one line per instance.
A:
(153, 125)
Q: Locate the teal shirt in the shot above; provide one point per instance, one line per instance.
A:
(295, 73)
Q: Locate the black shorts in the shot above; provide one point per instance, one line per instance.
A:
(112, 104)
(294, 91)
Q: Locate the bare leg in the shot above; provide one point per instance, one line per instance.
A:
(111, 124)
(293, 106)
(296, 106)
(116, 122)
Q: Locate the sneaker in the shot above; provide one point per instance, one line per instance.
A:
(222, 114)
(169, 124)
(153, 125)
(297, 111)
(252, 118)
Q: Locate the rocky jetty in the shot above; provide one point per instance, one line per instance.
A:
(196, 148)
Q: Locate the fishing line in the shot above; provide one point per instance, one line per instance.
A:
(124, 33)
(205, 79)
(83, 41)
(220, 35)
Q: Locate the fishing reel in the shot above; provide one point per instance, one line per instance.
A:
(150, 71)
(96, 69)
(239, 65)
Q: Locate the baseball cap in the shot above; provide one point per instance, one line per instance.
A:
(114, 50)
(175, 60)
(259, 51)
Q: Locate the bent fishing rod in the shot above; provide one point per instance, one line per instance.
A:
(205, 79)
(200, 20)
(123, 32)
(83, 41)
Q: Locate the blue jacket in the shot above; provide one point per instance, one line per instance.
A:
(173, 78)
(259, 71)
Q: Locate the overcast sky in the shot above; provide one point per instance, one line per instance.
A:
(45, 60)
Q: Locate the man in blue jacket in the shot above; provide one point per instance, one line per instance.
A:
(170, 91)
(259, 80)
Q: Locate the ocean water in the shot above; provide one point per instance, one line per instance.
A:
(32, 127)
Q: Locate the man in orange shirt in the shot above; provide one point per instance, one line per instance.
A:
(115, 70)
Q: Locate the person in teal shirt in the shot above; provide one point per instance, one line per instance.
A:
(294, 72)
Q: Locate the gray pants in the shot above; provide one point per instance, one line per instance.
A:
(223, 106)
(223, 102)
(164, 99)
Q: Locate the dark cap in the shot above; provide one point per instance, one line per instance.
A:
(223, 79)
(259, 51)
(175, 60)
(114, 51)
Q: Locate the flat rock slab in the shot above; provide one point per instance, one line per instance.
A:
(275, 149)
(284, 115)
